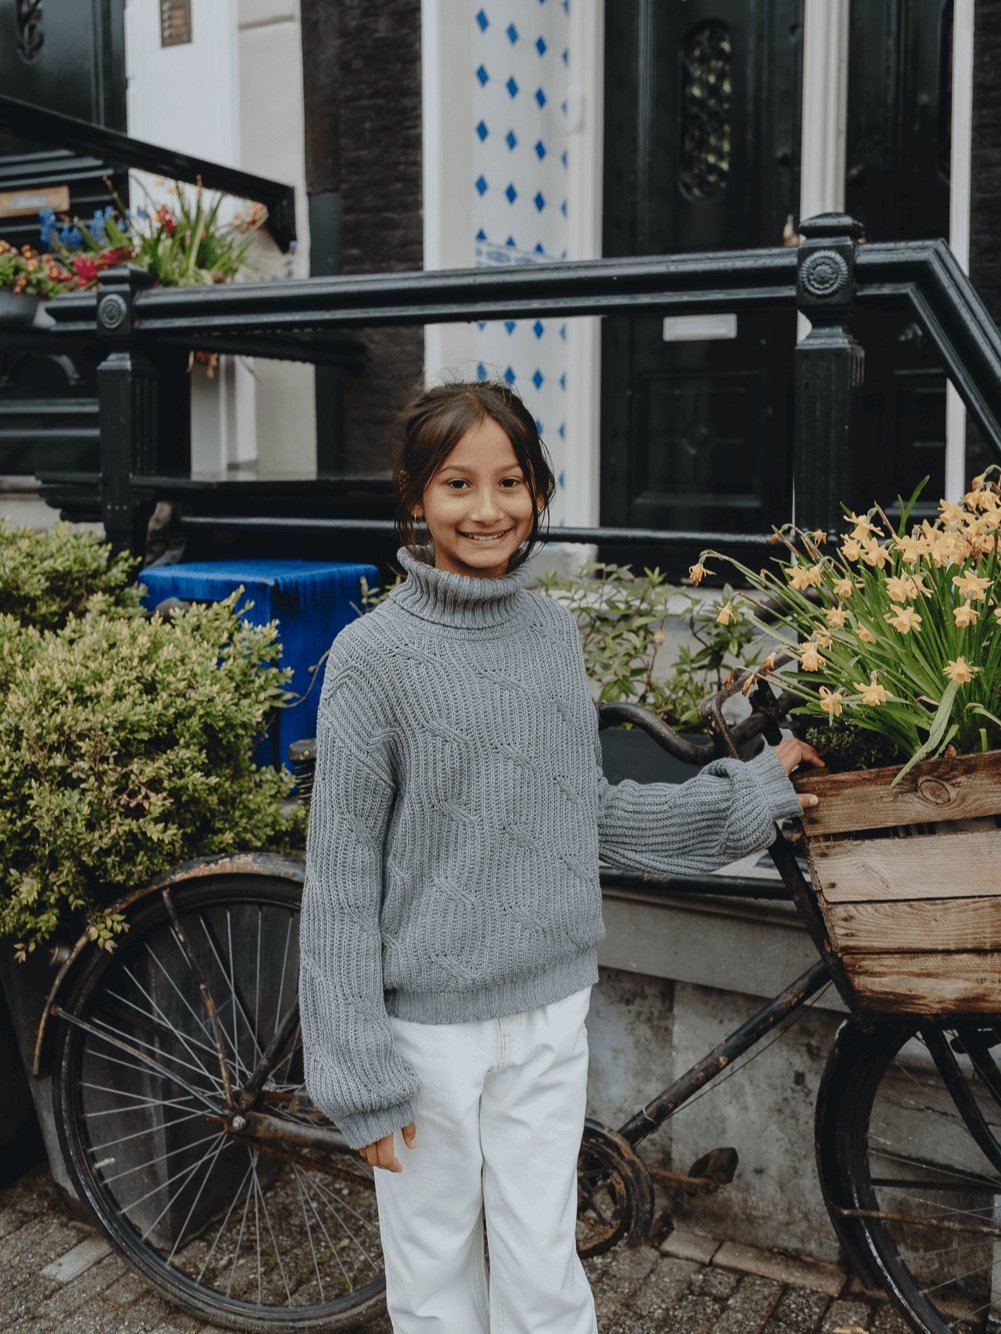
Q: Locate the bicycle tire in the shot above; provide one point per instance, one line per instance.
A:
(142, 1137)
(908, 1137)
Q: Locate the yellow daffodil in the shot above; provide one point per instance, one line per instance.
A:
(810, 657)
(971, 585)
(965, 615)
(836, 616)
(905, 620)
(831, 701)
(898, 590)
(768, 664)
(850, 549)
(824, 639)
(726, 614)
(873, 693)
(844, 588)
(866, 635)
(911, 548)
(818, 535)
(873, 554)
(997, 614)
(950, 514)
(863, 526)
(698, 572)
(960, 671)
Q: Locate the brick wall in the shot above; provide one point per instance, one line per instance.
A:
(376, 78)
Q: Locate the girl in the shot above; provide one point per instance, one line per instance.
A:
(452, 906)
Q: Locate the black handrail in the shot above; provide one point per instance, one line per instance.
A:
(41, 125)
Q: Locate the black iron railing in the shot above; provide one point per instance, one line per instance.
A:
(829, 276)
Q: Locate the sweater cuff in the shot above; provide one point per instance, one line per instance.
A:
(778, 792)
(363, 1128)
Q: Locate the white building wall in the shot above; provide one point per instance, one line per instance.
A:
(508, 98)
(233, 95)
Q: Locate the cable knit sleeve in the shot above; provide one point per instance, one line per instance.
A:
(353, 1073)
(726, 811)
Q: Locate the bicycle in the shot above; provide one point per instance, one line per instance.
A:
(186, 1127)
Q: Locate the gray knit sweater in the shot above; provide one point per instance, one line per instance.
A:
(458, 815)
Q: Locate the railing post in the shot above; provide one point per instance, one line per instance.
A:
(829, 366)
(127, 408)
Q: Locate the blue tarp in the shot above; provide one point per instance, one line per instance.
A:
(310, 600)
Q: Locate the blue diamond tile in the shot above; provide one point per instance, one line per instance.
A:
(540, 149)
(537, 379)
(538, 425)
(565, 56)
(510, 376)
(560, 480)
(539, 248)
(541, 47)
(563, 106)
(563, 331)
(512, 194)
(538, 328)
(510, 241)
(540, 97)
(563, 208)
(510, 326)
(566, 6)
(482, 75)
(562, 432)
(481, 185)
(512, 86)
(539, 200)
(512, 33)
(483, 21)
(511, 139)
(481, 325)
(481, 371)
(481, 235)
(563, 157)
(563, 381)
(482, 131)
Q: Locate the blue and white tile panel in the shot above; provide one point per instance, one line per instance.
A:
(519, 192)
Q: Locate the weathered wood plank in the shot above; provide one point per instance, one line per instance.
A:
(942, 924)
(926, 984)
(956, 789)
(941, 866)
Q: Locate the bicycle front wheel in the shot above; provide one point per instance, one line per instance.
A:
(909, 1153)
(262, 1220)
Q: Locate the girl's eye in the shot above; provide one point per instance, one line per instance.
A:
(457, 482)
(510, 482)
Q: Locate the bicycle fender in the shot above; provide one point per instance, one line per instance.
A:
(201, 868)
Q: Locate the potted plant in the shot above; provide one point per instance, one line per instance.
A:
(624, 619)
(891, 642)
(25, 278)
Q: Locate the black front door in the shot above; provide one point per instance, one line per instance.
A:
(702, 149)
(68, 56)
(701, 134)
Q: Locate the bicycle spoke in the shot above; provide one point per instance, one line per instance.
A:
(148, 1130)
(309, 1234)
(274, 1242)
(198, 1196)
(161, 1158)
(222, 1225)
(164, 1055)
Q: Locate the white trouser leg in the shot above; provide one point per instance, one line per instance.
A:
(531, 1122)
(431, 1213)
(499, 1121)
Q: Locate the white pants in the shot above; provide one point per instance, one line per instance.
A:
(499, 1123)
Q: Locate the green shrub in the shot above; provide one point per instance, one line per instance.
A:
(47, 577)
(125, 748)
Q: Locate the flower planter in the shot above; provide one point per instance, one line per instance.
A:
(17, 308)
(908, 884)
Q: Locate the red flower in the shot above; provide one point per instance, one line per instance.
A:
(85, 268)
(168, 220)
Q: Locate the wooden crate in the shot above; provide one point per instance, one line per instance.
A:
(908, 880)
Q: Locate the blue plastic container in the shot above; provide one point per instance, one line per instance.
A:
(311, 601)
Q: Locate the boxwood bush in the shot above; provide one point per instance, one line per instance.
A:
(125, 748)
(45, 578)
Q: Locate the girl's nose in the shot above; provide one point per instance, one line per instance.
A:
(486, 507)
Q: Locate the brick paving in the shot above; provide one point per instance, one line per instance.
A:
(57, 1276)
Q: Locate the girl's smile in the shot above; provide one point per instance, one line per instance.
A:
(478, 506)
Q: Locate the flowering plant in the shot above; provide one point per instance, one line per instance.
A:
(899, 630)
(179, 246)
(25, 270)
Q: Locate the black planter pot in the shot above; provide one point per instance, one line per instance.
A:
(629, 752)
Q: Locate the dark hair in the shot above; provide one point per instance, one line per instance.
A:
(432, 423)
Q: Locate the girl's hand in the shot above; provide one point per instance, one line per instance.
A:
(380, 1153)
(793, 752)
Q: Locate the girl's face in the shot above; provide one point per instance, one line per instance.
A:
(478, 506)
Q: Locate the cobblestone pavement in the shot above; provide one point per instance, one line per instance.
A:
(57, 1276)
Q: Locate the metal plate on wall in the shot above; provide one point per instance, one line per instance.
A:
(175, 22)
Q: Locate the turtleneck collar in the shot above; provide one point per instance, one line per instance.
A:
(458, 599)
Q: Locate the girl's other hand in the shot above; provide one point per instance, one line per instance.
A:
(381, 1153)
(793, 752)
